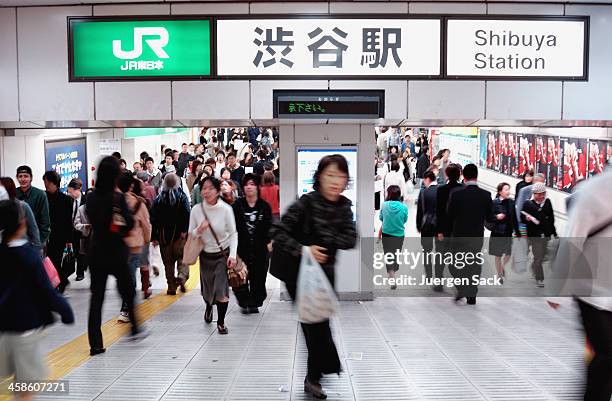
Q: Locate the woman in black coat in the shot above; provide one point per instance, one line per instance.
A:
(110, 221)
(253, 221)
(323, 221)
(500, 243)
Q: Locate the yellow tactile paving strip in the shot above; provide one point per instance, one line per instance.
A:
(73, 354)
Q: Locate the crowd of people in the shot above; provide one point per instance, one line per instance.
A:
(453, 212)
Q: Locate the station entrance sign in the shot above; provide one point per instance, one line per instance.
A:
(328, 47)
(528, 48)
(117, 49)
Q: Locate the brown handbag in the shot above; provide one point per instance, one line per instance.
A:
(237, 276)
(193, 248)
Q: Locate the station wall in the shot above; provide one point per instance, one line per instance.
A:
(34, 73)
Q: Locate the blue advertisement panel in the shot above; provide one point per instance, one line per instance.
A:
(69, 158)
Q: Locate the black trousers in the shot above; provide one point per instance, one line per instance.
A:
(463, 270)
(55, 252)
(253, 293)
(322, 352)
(427, 242)
(100, 270)
(598, 327)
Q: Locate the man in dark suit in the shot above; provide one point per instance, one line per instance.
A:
(75, 188)
(468, 209)
(443, 227)
(426, 224)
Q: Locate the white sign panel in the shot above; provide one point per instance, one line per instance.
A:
(308, 162)
(108, 146)
(515, 48)
(328, 47)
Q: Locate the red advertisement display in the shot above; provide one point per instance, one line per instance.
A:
(512, 154)
(574, 162)
(504, 153)
(609, 158)
(553, 157)
(492, 150)
(541, 164)
(597, 156)
(526, 153)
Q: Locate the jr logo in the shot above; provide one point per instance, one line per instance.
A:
(157, 45)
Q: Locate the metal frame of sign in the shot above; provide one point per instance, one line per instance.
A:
(327, 92)
(443, 47)
(77, 138)
(585, 69)
(127, 18)
(332, 16)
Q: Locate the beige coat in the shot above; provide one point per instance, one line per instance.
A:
(141, 233)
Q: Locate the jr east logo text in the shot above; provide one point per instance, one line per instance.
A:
(156, 39)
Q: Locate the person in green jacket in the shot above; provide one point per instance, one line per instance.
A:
(36, 199)
(394, 215)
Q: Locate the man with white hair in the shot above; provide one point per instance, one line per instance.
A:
(539, 217)
(525, 194)
(170, 224)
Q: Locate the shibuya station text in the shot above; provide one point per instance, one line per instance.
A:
(509, 39)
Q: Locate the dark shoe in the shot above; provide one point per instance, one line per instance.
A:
(471, 300)
(80, 277)
(156, 271)
(394, 287)
(170, 292)
(62, 286)
(141, 335)
(438, 288)
(208, 314)
(181, 284)
(96, 351)
(222, 329)
(314, 389)
(253, 309)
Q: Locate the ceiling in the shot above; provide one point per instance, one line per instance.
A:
(13, 3)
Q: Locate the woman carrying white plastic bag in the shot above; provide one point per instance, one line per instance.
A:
(315, 296)
(312, 229)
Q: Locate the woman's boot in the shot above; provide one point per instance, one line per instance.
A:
(145, 282)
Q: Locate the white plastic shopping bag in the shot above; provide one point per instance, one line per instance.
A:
(155, 258)
(520, 251)
(315, 296)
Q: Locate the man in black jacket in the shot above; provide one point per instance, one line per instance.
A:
(538, 215)
(421, 167)
(426, 224)
(183, 160)
(253, 221)
(468, 208)
(443, 227)
(74, 190)
(60, 214)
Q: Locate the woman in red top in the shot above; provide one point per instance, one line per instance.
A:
(268, 191)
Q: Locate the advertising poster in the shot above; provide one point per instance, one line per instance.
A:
(69, 159)
(541, 166)
(462, 142)
(504, 153)
(598, 154)
(512, 154)
(483, 147)
(574, 162)
(492, 150)
(308, 161)
(609, 158)
(553, 158)
(526, 153)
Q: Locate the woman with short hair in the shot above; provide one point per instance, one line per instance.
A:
(393, 215)
(213, 221)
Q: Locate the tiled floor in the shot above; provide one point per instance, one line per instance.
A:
(391, 348)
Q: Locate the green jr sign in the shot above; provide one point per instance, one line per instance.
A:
(109, 49)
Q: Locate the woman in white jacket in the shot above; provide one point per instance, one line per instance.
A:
(213, 221)
(395, 177)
